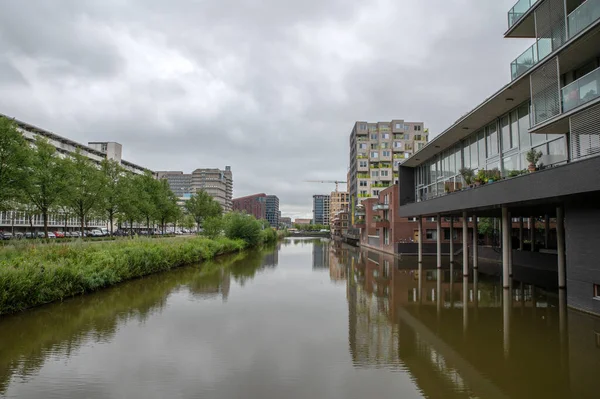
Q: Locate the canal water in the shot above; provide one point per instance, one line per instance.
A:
(308, 319)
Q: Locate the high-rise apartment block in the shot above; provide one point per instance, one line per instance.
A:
(339, 201)
(255, 205)
(216, 182)
(376, 150)
(272, 211)
(321, 209)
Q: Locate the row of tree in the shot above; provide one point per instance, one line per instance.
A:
(38, 179)
(311, 227)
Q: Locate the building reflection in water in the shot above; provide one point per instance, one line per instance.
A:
(465, 337)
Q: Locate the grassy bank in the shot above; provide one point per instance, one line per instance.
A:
(32, 275)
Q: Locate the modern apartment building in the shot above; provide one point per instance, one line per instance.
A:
(13, 220)
(179, 182)
(551, 105)
(376, 150)
(255, 205)
(272, 210)
(321, 209)
(217, 183)
(339, 201)
(303, 221)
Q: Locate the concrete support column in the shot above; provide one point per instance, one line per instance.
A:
(475, 239)
(420, 239)
(420, 283)
(505, 248)
(510, 248)
(452, 285)
(560, 241)
(520, 234)
(451, 239)
(439, 241)
(546, 231)
(532, 233)
(465, 240)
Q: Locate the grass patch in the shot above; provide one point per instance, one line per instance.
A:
(34, 274)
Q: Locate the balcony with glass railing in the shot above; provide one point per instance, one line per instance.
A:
(581, 91)
(530, 57)
(518, 10)
(583, 16)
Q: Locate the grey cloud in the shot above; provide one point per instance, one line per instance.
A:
(271, 89)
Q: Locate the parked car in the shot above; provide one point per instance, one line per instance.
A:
(96, 233)
(7, 236)
(59, 234)
(51, 235)
(29, 235)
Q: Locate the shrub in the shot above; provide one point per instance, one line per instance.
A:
(243, 227)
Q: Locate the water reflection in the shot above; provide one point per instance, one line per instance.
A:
(29, 339)
(310, 318)
(464, 337)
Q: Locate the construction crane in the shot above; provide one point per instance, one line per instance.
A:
(327, 182)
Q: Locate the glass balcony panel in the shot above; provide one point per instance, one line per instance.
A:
(518, 11)
(530, 57)
(583, 16)
(581, 91)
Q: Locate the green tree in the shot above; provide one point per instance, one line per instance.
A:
(14, 157)
(127, 200)
(213, 226)
(202, 206)
(85, 187)
(113, 173)
(145, 187)
(165, 202)
(46, 179)
(188, 222)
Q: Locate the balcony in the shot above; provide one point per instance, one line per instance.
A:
(380, 223)
(581, 91)
(530, 57)
(381, 207)
(518, 10)
(360, 223)
(583, 16)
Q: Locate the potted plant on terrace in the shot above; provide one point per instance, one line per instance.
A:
(467, 175)
(533, 158)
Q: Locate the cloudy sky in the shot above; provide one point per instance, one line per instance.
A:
(270, 87)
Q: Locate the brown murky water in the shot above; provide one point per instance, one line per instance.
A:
(309, 319)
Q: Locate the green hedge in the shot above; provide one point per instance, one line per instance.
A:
(32, 275)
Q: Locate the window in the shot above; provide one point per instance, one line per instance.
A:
(514, 128)
(505, 128)
(375, 173)
(362, 146)
(385, 136)
(362, 183)
(398, 144)
(374, 154)
(597, 291)
(363, 164)
(385, 145)
(386, 241)
(374, 146)
(396, 163)
(363, 126)
(375, 192)
(407, 137)
(454, 234)
(386, 153)
(431, 234)
(384, 173)
(398, 126)
(363, 192)
(492, 140)
(407, 155)
(373, 136)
